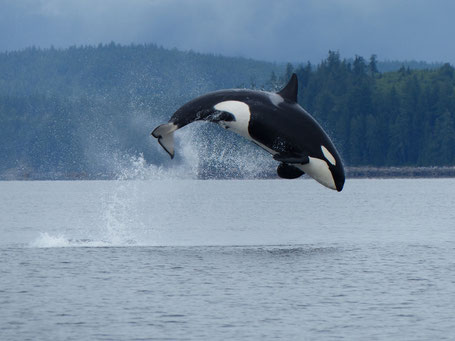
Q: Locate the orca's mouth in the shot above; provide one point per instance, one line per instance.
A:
(339, 185)
(339, 179)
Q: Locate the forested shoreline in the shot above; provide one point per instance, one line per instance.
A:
(78, 112)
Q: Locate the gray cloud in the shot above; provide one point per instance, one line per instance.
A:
(287, 30)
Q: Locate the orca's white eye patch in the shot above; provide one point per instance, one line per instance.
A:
(236, 108)
(328, 155)
(241, 113)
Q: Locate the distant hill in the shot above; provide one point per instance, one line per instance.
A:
(71, 111)
(87, 112)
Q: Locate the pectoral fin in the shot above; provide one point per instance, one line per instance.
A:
(286, 171)
(288, 157)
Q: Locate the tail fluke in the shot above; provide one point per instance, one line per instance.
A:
(165, 135)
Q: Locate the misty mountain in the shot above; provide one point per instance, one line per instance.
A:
(87, 112)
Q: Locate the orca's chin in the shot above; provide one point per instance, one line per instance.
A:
(319, 170)
(339, 186)
(339, 177)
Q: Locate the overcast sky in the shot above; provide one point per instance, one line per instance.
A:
(273, 30)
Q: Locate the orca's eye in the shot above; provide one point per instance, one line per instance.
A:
(226, 116)
(221, 116)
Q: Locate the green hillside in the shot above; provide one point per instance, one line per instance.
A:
(80, 112)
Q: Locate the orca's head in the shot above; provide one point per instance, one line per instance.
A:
(338, 176)
(335, 167)
(326, 167)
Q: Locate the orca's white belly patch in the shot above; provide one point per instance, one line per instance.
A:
(319, 170)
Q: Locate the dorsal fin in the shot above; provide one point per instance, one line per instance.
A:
(289, 92)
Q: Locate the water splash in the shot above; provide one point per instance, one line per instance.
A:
(121, 219)
(209, 152)
(201, 152)
(46, 240)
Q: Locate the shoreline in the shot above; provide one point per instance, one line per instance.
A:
(400, 172)
(351, 173)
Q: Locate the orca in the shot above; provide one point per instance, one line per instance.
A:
(274, 122)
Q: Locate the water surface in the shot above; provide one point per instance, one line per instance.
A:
(220, 260)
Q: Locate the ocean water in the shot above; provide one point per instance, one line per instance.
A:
(227, 260)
